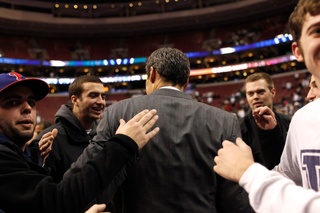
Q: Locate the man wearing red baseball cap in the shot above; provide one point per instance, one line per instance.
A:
(25, 185)
(39, 89)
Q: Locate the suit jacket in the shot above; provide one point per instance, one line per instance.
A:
(174, 172)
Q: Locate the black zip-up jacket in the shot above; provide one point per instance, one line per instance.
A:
(69, 143)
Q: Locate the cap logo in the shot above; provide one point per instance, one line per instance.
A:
(17, 75)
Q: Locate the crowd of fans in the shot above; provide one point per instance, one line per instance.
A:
(290, 96)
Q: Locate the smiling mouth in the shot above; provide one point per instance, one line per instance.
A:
(97, 110)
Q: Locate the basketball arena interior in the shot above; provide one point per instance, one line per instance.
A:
(225, 40)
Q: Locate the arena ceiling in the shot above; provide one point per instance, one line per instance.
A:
(123, 17)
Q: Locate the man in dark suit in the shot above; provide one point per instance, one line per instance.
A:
(174, 172)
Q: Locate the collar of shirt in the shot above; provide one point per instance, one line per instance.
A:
(169, 87)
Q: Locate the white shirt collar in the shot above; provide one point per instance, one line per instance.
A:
(169, 87)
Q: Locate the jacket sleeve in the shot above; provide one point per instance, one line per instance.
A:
(93, 148)
(270, 192)
(23, 189)
(230, 196)
(88, 153)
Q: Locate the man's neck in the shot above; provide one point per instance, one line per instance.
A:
(85, 122)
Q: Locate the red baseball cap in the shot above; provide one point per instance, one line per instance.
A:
(39, 87)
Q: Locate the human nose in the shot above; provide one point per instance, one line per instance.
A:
(26, 107)
(255, 95)
(101, 100)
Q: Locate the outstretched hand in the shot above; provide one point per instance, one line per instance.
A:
(137, 128)
(233, 159)
(45, 144)
(265, 118)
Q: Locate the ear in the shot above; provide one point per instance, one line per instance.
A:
(152, 75)
(297, 51)
(73, 99)
(273, 92)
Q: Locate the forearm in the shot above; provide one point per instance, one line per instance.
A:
(38, 193)
(271, 192)
(88, 153)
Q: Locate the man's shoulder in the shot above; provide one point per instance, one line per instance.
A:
(309, 112)
(8, 149)
(128, 100)
(248, 116)
(119, 106)
(309, 107)
(220, 114)
(6, 146)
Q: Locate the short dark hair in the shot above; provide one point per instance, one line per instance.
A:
(75, 88)
(257, 76)
(172, 64)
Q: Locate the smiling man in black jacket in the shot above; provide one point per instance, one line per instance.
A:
(76, 122)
